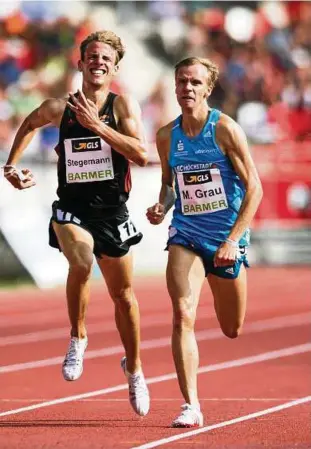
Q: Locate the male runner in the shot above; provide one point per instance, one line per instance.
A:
(99, 134)
(208, 173)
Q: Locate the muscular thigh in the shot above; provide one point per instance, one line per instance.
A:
(184, 275)
(75, 242)
(117, 272)
(229, 298)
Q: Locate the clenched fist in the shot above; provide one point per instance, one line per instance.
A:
(156, 214)
(20, 179)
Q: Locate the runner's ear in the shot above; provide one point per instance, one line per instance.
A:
(116, 68)
(79, 66)
(208, 92)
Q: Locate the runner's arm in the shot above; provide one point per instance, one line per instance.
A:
(167, 193)
(231, 138)
(129, 140)
(157, 212)
(50, 112)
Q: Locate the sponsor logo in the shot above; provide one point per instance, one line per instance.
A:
(203, 151)
(188, 167)
(197, 177)
(91, 175)
(81, 145)
(208, 134)
(202, 208)
(180, 146)
(229, 270)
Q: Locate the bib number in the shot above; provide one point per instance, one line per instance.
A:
(127, 230)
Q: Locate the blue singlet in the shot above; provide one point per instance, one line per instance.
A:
(209, 191)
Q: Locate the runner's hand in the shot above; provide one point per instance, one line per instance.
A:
(156, 214)
(86, 110)
(20, 179)
(225, 255)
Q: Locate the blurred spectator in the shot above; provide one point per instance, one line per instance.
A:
(262, 49)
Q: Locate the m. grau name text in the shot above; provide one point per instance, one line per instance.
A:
(82, 163)
(199, 193)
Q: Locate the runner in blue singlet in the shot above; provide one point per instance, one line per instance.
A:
(210, 178)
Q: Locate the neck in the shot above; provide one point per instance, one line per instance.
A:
(97, 94)
(194, 120)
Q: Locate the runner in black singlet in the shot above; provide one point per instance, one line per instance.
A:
(100, 133)
(95, 204)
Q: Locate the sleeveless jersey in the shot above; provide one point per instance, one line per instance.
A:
(93, 178)
(209, 192)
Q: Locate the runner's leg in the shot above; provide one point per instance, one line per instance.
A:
(118, 274)
(185, 275)
(77, 245)
(230, 297)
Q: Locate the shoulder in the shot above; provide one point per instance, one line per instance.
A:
(54, 105)
(226, 124)
(126, 104)
(228, 131)
(53, 108)
(164, 133)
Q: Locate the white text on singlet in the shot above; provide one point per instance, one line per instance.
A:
(201, 191)
(88, 159)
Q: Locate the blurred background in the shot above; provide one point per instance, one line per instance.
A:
(263, 50)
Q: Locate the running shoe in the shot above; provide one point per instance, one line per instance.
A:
(190, 416)
(73, 362)
(138, 390)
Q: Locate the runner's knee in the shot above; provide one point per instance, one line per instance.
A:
(123, 297)
(184, 315)
(81, 268)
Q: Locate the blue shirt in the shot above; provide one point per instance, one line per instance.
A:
(209, 191)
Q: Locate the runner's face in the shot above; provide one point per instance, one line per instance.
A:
(98, 65)
(192, 86)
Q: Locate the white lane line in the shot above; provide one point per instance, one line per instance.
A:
(271, 355)
(230, 422)
(210, 334)
(108, 326)
(100, 327)
(157, 400)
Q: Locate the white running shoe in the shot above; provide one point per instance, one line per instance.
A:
(138, 390)
(190, 416)
(73, 362)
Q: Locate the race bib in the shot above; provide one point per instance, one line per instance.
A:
(201, 192)
(87, 160)
(127, 230)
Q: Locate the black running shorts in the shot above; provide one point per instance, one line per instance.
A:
(112, 235)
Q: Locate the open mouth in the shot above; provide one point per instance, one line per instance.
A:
(98, 72)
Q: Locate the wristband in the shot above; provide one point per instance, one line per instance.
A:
(10, 169)
(232, 242)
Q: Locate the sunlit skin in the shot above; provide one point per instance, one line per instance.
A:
(98, 68)
(192, 89)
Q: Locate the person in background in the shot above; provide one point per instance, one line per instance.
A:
(210, 178)
(100, 133)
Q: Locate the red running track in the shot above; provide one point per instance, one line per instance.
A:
(255, 390)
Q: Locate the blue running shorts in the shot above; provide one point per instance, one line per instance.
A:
(206, 250)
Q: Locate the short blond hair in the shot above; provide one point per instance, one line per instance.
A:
(210, 65)
(107, 37)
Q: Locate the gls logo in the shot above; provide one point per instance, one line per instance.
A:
(81, 145)
(197, 177)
